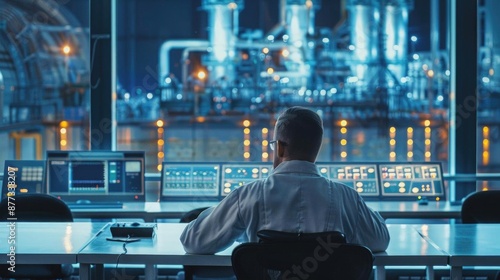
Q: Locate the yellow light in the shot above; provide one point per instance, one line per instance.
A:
(265, 143)
(265, 130)
(309, 4)
(486, 143)
(246, 123)
(232, 6)
(63, 124)
(427, 130)
(161, 142)
(392, 142)
(486, 129)
(392, 154)
(427, 142)
(491, 72)
(66, 49)
(160, 130)
(410, 130)
(410, 154)
(265, 50)
(200, 119)
(159, 123)
(343, 154)
(161, 154)
(343, 142)
(63, 130)
(486, 154)
(430, 73)
(246, 155)
(410, 142)
(158, 167)
(285, 53)
(392, 129)
(63, 142)
(265, 155)
(427, 154)
(343, 130)
(270, 71)
(438, 199)
(246, 142)
(201, 75)
(427, 122)
(246, 130)
(343, 123)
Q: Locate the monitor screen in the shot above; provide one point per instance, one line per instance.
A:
(411, 180)
(96, 176)
(190, 180)
(235, 175)
(27, 176)
(360, 176)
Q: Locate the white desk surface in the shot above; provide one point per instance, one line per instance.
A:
(48, 243)
(150, 211)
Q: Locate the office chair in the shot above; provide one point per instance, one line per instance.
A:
(481, 207)
(37, 207)
(313, 256)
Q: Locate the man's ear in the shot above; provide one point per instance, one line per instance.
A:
(280, 149)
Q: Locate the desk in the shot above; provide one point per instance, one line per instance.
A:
(467, 244)
(151, 211)
(47, 243)
(407, 247)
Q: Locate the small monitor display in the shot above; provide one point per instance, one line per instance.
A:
(188, 180)
(235, 175)
(410, 180)
(26, 175)
(360, 176)
(96, 176)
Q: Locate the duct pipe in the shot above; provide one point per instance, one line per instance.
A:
(164, 56)
(434, 33)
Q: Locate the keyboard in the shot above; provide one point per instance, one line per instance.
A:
(94, 205)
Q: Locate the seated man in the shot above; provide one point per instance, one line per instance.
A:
(294, 198)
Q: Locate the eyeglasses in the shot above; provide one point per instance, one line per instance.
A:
(272, 144)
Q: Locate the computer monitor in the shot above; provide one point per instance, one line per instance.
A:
(190, 181)
(409, 181)
(27, 176)
(96, 176)
(362, 177)
(235, 175)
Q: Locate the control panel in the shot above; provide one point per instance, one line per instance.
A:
(361, 177)
(237, 175)
(190, 180)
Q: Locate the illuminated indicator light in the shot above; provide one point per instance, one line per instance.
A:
(255, 170)
(159, 167)
(486, 142)
(265, 143)
(255, 176)
(160, 130)
(392, 142)
(246, 142)
(430, 73)
(323, 170)
(285, 53)
(343, 154)
(270, 71)
(427, 154)
(371, 170)
(161, 154)
(227, 190)
(66, 49)
(265, 130)
(343, 123)
(23, 190)
(265, 170)
(65, 124)
(410, 142)
(392, 154)
(392, 129)
(427, 130)
(486, 154)
(227, 185)
(427, 142)
(246, 155)
(414, 190)
(343, 130)
(265, 155)
(159, 123)
(246, 123)
(427, 122)
(265, 50)
(401, 184)
(246, 130)
(410, 154)
(343, 142)
(63, 130)
(63, 142)
(359, 184)
(387, 184)
(228, 170)
(402, 190)
(486, 129)
(201, 75)
(161, 142)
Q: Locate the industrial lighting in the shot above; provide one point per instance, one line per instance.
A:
(201, 75)
(66, 49)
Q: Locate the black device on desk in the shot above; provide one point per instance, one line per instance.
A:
(362, 177)
(412, 181)
(96, 179)
(134, 229)
(237, 174)
(27, 175)
(187, 181)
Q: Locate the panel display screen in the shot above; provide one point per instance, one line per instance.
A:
(235, 175)
(27, 176)
(361, 177)
(96, 176)
(411, 180)
(190, 180)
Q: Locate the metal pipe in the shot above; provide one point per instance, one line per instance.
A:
(434, 32)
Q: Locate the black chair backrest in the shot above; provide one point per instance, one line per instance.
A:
(268, 236)
(191, 215)
(308, 258)
(36, 207)
(481, 207)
